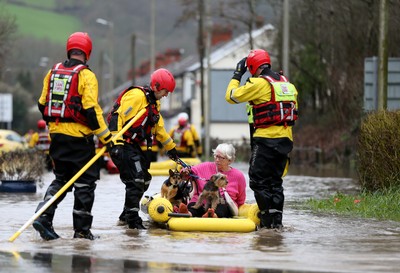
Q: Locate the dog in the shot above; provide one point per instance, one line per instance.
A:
(170, 188)
(210, 192)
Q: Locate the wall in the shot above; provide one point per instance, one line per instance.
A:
(371, 84)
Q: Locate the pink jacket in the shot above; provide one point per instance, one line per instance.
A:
(236, 187)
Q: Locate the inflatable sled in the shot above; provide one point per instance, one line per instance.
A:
(160, 210)
(160, 168)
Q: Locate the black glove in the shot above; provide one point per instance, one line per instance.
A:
(116, 151)
(113, 149)
(109, 146)
(173, 154)
(191, 150)
(240, 69)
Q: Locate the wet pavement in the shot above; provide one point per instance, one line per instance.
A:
(310, 242)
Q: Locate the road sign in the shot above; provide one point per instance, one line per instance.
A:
(6, 109)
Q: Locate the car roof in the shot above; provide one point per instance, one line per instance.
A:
(6, 131)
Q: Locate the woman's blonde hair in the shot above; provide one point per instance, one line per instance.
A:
(227, 150)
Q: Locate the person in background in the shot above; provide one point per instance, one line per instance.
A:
(274, 102)
(127, 155)
(69, 105)
(28, 136)
(186, 137)
(40, 140)
(224, 156)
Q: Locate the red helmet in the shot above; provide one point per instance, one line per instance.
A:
(256, 58)
(162, 79)
(41, 124)
(81, 41)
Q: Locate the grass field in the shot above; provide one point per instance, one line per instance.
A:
(43, 23)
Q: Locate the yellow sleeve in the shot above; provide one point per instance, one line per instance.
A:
(162, 135)
(172, 131)
(34, 139)
(88, 88)
(194, 132)
(42, 99)
(255, 89)
(188, 136)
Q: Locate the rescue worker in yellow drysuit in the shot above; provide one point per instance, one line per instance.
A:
(69, 105)
(274, 102)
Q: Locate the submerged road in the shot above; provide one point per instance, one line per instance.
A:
(310, 242)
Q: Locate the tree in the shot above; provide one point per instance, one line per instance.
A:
(7, 29)
(244, 13)
(328, 52)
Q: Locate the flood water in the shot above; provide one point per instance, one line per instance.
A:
(310, 242)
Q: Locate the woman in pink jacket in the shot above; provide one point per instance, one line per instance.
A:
(224, 155)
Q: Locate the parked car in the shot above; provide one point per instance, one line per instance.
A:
(11, 140)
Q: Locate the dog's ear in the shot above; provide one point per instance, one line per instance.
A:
(216, 177)
(171, 172)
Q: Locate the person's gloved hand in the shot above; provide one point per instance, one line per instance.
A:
(173, 154)
(109, 146)
(113, 149)
(185, 173)
(240, 69)
(191, 151)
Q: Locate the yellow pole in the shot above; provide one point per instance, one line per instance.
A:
(76, 176)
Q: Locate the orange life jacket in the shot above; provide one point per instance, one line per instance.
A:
(281, 109)
(141, 129)
(63, 102)
(178, 136)
(43, 143)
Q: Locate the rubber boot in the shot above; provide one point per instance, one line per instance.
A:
(45, 228)
(265, 220)
(82, 222)
(277, 220)
(122, 219)
(134, 221)
(85, 234)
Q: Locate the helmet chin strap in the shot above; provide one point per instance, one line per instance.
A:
(155, 87)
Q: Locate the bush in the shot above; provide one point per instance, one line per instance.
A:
(379, 151)
(22, 165)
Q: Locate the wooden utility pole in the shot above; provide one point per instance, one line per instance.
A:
(152, 35)
(285, 48)
(383, 54)
(133, 58)
(201, 48)
(207, 91)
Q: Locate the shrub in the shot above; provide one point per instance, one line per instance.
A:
(22, 165)
(378, 151)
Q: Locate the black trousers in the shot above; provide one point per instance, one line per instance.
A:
(267, 164)
(133, 166)
(70, 155)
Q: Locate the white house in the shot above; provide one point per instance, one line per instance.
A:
(226, 121)
(223, 121)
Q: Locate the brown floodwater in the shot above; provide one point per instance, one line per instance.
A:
(310, 242)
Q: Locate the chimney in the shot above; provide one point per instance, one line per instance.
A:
(221, 34)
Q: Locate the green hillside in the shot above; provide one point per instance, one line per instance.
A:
(41, 23)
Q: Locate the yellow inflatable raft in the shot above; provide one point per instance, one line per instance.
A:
(161, 168)
(160, 210)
